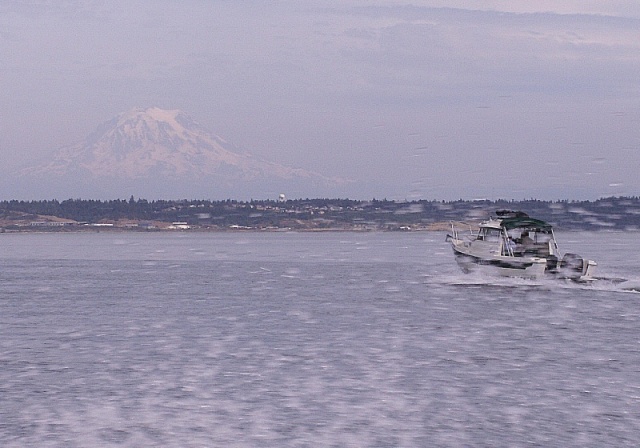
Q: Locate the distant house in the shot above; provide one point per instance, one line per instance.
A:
(179, 225)
(49, 224)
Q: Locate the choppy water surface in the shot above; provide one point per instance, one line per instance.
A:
(308, 340)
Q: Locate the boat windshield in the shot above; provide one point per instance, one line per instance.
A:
(490, 235)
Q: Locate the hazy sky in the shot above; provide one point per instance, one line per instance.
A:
(417, 99)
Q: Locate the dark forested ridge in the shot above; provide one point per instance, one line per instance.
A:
(620, 213)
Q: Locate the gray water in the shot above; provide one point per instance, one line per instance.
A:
(309, 340)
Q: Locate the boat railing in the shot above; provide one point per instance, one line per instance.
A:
(508, 246)
(458, 226)
(553, 244)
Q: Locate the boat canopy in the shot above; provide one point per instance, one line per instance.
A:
(526, 222)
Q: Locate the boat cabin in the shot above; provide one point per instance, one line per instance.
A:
(518, 235)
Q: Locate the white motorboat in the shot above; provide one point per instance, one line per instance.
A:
(513, 244)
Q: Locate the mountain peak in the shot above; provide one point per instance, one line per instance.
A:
(139, 128)
(153, 116)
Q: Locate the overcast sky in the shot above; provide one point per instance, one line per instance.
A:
(419, 99)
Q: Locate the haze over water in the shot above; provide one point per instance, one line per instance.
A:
(287, 339)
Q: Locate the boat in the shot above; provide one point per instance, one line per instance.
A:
(513, 244)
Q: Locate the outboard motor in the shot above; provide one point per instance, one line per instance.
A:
(572, 263)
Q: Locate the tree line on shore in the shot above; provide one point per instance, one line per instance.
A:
(605, 213)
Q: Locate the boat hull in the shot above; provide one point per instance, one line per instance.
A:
(504, 266)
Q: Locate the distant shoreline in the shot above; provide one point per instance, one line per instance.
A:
(436, 228)
(303, 215)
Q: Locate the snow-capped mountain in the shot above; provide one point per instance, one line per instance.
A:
(156, 142)
(167, 150)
